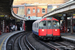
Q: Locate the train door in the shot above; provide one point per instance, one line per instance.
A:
(55, 27)
(42, 28)
(49, 28)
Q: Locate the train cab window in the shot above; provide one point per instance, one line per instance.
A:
(42, 25)
(55, 24)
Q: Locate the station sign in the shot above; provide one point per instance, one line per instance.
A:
(2, 15)
(18, 20)
(73, 14)
(60, 15)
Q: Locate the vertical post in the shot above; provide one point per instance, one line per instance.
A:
(23, 25)
(71, 24)
(66, 23)
(3, 25)
(0, 26)
(59, 20)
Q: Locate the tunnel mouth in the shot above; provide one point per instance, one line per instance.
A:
(28, 25)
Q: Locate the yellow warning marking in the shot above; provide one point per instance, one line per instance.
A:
(4, 36)
(2, 43)
(0, 47)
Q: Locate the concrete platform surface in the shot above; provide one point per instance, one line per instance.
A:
(68, 36)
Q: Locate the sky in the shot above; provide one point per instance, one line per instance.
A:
(19, 2)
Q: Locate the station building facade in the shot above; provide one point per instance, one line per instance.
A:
(33, 11)
(35, 8)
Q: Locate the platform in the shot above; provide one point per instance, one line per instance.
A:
(68, 36)
(4, 36)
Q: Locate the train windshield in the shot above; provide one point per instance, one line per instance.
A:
(42, 25)
(49, 24)
(55, 24)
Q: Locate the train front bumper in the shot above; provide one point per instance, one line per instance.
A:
(50, 37)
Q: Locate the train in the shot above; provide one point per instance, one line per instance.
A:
(47, 28)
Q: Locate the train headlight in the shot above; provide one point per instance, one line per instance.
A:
(55, 29)
(42, 29)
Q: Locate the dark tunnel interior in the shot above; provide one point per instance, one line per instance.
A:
(28, 25)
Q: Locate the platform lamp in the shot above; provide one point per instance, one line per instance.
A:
(5, 17)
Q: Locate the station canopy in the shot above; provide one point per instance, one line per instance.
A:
(6, 9)
(67, 8)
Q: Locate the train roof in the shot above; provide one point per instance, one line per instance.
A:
(37, 21)
(50, 18)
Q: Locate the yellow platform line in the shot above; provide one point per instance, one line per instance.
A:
(2, 43)
(0, 47)
(2, 36)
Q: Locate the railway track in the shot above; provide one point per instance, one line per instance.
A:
(45, 44)
(19, 42)
(12, 42)
(22, 41)
(60, 45)
(28, 44)
(66, 45)
(24, 44)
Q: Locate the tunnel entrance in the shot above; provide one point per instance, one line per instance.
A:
(28, 25)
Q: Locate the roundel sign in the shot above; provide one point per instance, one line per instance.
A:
(28, 17)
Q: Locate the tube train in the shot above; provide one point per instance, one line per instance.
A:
(47, 28)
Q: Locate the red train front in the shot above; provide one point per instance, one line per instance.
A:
(49, 28)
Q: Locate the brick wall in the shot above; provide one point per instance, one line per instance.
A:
(37, 14)
(15, 10)
(31, 10)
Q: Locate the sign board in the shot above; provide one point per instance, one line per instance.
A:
(73, 14)
(60, 15)
(1, 15)
(18, 20)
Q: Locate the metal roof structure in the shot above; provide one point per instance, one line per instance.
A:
(6, 9)
(62, 8)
